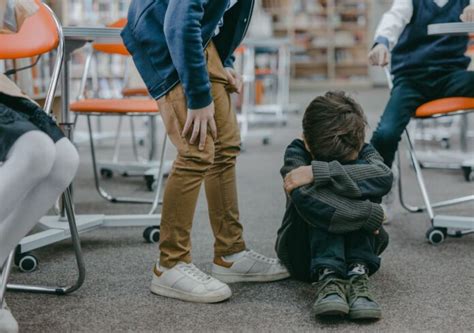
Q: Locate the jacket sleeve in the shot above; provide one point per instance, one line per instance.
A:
(369, 177)
(324, 208)
(229, 62)
(393, 22)
(182, 28)
(337, 214)
(296, 156)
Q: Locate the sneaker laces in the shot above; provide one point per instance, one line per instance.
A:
(261, 257)
(330, 286)
(359, 287)
(195, 272)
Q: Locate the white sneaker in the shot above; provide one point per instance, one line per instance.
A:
(187, 283)
(8, 323)
(249, 267)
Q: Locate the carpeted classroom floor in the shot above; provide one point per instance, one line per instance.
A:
(420, 287)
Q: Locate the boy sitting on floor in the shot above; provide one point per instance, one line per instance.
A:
(332, 230)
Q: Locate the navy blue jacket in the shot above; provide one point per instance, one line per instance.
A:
(167, 39)
(417, 51)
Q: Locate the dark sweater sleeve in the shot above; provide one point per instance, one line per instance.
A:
(337, 214)
(182, 28)
(322, 207)
(368, 177)
(296, 156)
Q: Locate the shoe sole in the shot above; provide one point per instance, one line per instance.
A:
(365, 314)
(233, 278)
(331, 309)
(188, 297)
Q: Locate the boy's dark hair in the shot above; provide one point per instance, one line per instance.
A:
(334, 127)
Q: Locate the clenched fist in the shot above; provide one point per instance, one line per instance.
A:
(379, 55)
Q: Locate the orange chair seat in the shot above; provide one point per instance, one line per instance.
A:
(110, 106)
(444, 106)
(264, 71)
(130, 92)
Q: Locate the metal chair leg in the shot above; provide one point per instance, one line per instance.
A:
(103, 193)
(419, 209)
(4, 276)
(409, 208)
(61, 290)
(419, 177)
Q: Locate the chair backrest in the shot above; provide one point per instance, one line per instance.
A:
(113, 48)
(39, 34)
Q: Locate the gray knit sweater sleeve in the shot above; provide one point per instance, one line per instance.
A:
(367, 177)
(321, 206)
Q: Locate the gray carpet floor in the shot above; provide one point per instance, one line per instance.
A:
(420, 287)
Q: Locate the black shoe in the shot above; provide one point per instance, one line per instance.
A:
(361, 302)
(331, 298)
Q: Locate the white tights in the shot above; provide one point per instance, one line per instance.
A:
(32, 178)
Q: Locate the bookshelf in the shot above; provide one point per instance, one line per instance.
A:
(330, 37)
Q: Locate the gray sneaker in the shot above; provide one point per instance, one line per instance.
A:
(361, 302)
(331, 298)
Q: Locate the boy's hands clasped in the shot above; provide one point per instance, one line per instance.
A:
(298, 177)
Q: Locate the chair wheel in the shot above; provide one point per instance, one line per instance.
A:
(150, 182)
(266, 141)
(106, 173)
(436, 235)
(26, 262)
(152, 234)
(445, 143)
(468, 174)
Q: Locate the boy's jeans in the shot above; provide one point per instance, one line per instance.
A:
(338, 251)
(408, 93)
(215, 166)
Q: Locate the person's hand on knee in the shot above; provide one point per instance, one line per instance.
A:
(379, 55)
(200, 120)
(468, 14)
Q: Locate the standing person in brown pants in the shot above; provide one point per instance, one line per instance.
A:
(183, 50)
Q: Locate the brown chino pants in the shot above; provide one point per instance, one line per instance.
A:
(215, 165)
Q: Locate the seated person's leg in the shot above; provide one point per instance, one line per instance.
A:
(362, 261)
(40, 198)
(456, 84)
(404, 99)
(328, 267)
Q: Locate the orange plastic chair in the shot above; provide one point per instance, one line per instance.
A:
(41, 33)
(439, 223)
(445, 107)
(136, 107)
